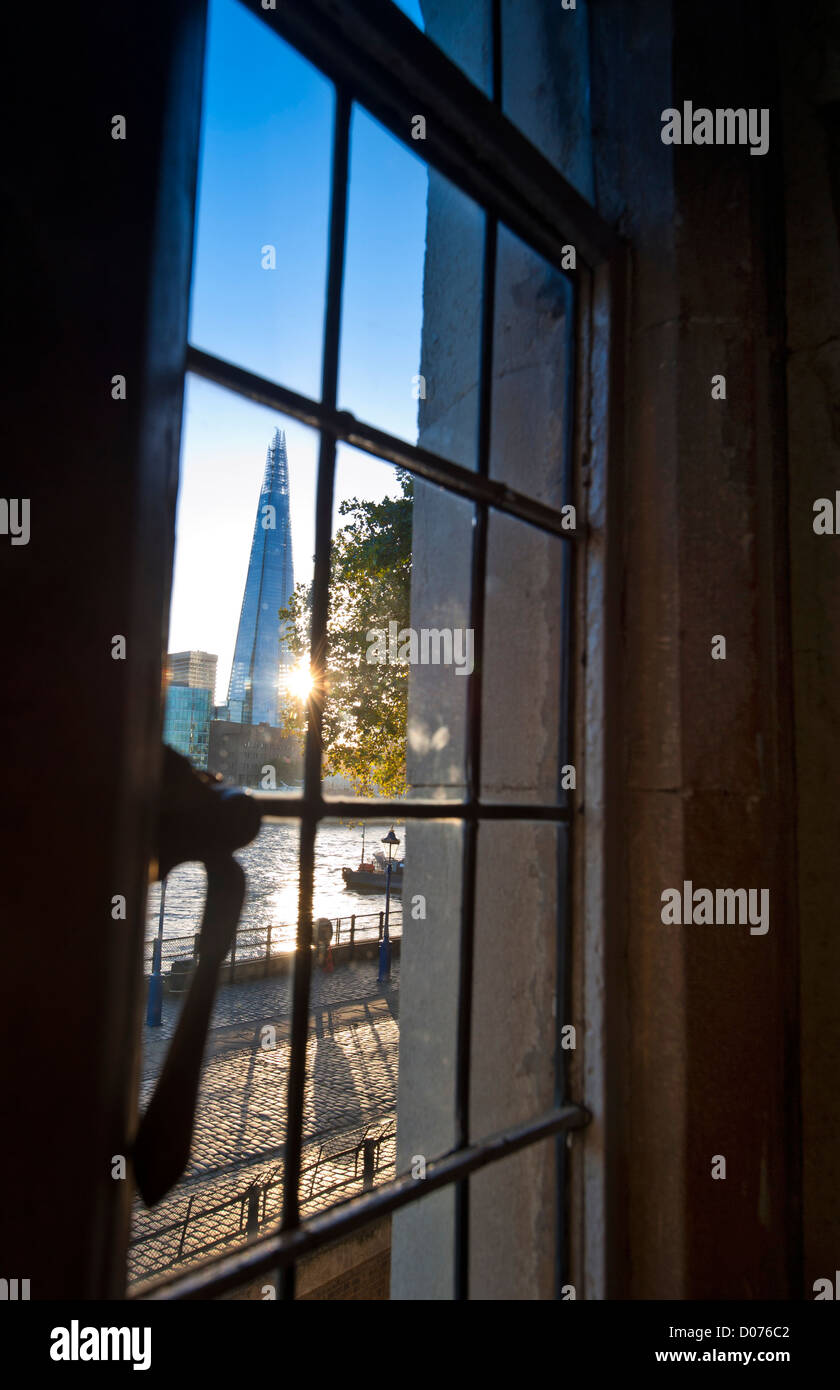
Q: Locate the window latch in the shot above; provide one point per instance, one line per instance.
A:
(199, 820)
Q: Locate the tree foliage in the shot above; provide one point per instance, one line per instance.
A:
(364, 703)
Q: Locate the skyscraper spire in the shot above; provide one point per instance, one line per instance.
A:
(261, 655)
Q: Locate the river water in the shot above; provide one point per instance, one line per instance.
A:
(271, 867)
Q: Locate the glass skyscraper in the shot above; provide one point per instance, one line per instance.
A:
(261, 657)
(186, 722)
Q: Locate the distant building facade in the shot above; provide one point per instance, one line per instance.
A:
(261, 657)
(186, 722)
(196, 669)
(241, 752)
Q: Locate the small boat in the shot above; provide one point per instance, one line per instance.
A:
(371, 875)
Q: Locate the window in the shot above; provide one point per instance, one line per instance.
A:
(543, 292)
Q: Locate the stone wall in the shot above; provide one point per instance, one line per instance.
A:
(812, 160)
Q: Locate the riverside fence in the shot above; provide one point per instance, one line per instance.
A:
(335, 1167)
(266, 950)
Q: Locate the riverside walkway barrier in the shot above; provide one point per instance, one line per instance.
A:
(336, 1166)
(261, 951)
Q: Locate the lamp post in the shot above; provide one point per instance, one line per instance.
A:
(154, 1007)
(385, 946)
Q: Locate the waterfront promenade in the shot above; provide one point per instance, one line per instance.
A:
(233, 1186)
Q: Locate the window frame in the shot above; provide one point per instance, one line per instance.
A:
(377, 58)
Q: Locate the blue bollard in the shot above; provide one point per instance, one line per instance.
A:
(384, 959)
(385, 944)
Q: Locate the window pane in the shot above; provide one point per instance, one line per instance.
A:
(514, 1225)
(355, 1268)
(365, 918)
(263, 206)
(452, 288)
(397, 270)
(524, 656)
(532, 377)
(244, 530)
(422, 1236)
(462, 32)
(233, 1184)
(430, 975)
(400, 643)
(383, 280)
(349, 1127)
(545, 83)
(518, 1012)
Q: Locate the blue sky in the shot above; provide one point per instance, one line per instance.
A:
(264, 181)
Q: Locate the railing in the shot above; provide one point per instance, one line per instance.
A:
(271, 941)
(258, 1204)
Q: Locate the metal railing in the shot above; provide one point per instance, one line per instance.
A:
(272, 940)
(242, 1216)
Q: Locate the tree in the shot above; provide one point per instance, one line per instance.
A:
(365, 703)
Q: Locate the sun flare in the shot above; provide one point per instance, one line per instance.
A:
(300, 682)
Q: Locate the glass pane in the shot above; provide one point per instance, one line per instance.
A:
(452, 288)
(355, 1268)
(233, 1185)
(245, 532)
(370, 924)
(532, 377)
(445, 643)
(350, 1110)
(422, 1235)
(514, 1226)
(412, 9)
(524, 656)
(259, 279)
(545, 83)
(518, 1014)
(245, 512)
(404, 280)
(400, 644)
(462, 32)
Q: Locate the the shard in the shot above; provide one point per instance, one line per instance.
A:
(261, 658)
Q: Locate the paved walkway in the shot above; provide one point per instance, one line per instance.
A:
(241, 1116)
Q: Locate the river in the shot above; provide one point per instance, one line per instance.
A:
(271, 866)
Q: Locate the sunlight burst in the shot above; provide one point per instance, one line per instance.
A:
(301, 682)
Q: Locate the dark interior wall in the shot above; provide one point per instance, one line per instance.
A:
(92, 223)
(710, 1011)
(811, 76)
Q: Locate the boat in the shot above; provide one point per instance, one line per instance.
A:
(371, 875)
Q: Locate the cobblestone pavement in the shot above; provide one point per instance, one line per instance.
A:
(233, 1184)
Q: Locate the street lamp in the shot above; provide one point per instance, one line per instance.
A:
(154, 1005)
(385, 947)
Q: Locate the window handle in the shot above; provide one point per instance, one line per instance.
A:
(199, 820)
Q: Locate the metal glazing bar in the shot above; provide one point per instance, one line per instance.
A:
(277, 807)
(318, 657)
(285, 1246)
(561, 1016)
(394, 70)
(474, 693)
(563, 837)
(343, 425)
